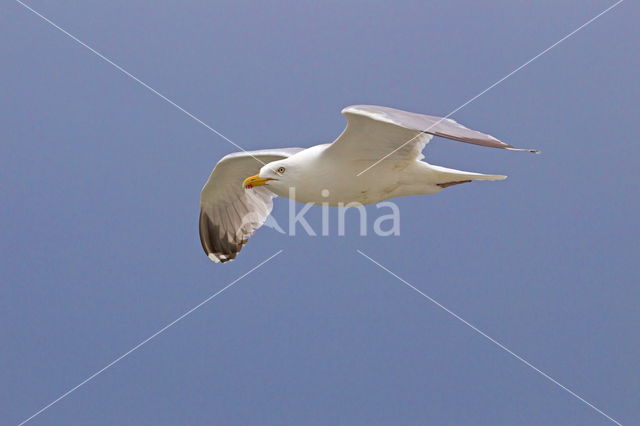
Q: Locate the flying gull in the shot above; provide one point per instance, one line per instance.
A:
(378, 156)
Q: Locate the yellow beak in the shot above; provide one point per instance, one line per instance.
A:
(256, 180)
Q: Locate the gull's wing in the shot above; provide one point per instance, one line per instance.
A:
(374, 132)
(228, 213)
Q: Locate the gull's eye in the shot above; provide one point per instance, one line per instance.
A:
(280, 170)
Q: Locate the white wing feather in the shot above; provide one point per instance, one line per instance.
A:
(228, 213)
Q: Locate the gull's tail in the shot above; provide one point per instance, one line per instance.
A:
(448, 177)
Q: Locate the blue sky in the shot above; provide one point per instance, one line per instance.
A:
(101, 179)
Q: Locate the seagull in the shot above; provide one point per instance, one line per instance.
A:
(378, 156)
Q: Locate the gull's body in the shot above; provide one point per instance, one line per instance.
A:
(377, 157)
(320, 178)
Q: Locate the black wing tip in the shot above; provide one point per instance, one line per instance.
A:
(533, 151)
(221, 258)
(218, 247)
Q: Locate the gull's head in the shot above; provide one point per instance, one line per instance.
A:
(276, 175)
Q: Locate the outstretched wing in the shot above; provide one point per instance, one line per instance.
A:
(374, 132)
(228, 213)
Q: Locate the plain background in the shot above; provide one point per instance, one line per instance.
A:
(100, 180)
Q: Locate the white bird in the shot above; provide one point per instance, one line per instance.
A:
(378, 156)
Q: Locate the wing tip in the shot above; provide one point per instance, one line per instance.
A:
(533, 151)
(220, 258)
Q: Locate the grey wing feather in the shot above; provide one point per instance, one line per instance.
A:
(229, 214)
(365, 118)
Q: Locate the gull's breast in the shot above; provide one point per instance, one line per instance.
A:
(337, 183)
